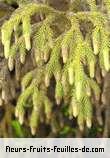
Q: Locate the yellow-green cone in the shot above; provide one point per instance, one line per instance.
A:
(71, 75)
(64, 53)
(92, 68)
(78, 90)
(106, 59)
(88, 122)
(11, 63)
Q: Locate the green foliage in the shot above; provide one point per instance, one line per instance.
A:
(18, 130)
(70, 57)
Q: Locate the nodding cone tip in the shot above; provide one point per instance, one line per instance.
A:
(58, 100)
(71, 75)
(22, 58)
(47, 81)
(33, 130)
(37, 57)
(92, 69)
(75, 110)
(64, 54)
(88, 91)
(3, 95)
(27, 41)
(103, 73)
(106, 59)
(88, 122)
(21, 119)
(11, 63)
(46, 56)
(96, 48)
(16, 112)
(78, 90)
